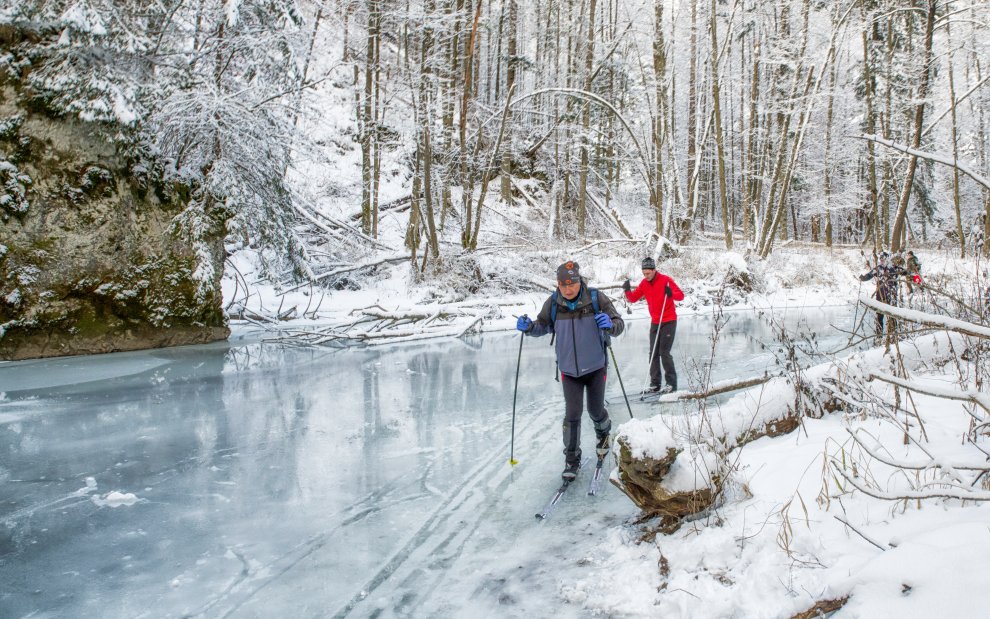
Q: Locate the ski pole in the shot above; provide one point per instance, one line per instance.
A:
(653, 348)
(512, 441)
(859, 293)
(623, 387)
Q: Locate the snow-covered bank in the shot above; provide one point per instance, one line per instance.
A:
(507, 284)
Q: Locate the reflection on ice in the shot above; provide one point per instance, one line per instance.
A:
(266, 480)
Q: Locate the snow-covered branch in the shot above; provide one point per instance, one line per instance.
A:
(981, 399)
(928, 320)
(348, 269)
(934, 490)
(934, 157)
(919, 465)
(376, 325)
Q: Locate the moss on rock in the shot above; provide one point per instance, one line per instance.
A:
(93, 260)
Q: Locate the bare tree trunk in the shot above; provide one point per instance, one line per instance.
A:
(871, 127)
(467, 183)
(955, 149)
(453, 11)
(719, 141)
(919, 119)
(692, 125)
(751, 197)
(589, 57)
(768, 226)
(510, 82)
(829, 116)
(379, 112)
(659, 133)
(413, 234)
(982, 136)
(367, 117)
(426, 139)
(486, 175)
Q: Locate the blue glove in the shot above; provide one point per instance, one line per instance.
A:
(604, 322)
(523, 323)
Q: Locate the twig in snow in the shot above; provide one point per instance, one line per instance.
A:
(860, 533)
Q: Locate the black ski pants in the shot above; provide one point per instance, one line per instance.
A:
(660, 353)
(592, 383)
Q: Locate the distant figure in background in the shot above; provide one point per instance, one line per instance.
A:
(660, 292)
(581, 318)
(913, 268)
(886, 274)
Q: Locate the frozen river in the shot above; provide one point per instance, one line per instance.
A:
(259, 480)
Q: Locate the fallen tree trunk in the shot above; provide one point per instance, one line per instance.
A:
(725, 386)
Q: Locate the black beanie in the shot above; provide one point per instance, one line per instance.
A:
(568, 273)
(648, 263)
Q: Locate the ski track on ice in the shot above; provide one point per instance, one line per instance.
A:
(250, 582)
(451, 525)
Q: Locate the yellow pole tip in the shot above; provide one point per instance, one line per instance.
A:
(513, 461)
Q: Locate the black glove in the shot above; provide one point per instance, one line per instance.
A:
(626, 286)
(667, 291)
(863, 278)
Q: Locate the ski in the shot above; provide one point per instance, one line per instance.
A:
(668, 396)
(543, 515)
(564, 485)
(596, 478)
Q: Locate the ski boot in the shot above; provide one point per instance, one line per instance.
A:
(570, 471)
(603, 445)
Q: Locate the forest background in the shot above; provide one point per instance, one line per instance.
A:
(333, 136)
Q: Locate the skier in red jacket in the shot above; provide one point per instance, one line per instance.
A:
(660, 292)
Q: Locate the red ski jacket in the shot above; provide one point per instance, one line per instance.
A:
(654, 293)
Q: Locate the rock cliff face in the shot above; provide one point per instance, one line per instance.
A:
(91, 260)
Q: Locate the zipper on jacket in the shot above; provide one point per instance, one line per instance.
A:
(577, 367)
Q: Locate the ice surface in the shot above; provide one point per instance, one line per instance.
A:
(259, 480)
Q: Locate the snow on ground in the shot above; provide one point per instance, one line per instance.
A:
(791, 532)
(778, 545)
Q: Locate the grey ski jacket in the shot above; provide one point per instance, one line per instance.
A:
(580, 344)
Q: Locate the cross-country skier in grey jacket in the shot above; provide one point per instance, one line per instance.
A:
(582, 319)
